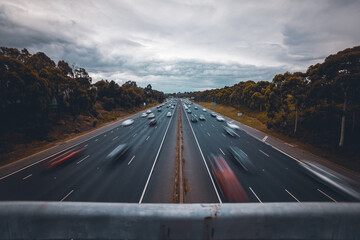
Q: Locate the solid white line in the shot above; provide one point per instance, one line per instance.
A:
(147, 138)
(115, 138)
(208, 134)
(31, 175)
(327, 195)
(255, 195)
(153, 166)
(222, 151)
(83, 159)
(202, 155)
(264, 153)
(264, 139)
(67, 195)
(131, 160)
(292, 195)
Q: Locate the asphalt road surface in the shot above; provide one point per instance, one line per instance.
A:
(145, 174)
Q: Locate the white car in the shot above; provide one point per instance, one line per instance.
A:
(143, 115)
(151, 115)
(168, 114)
(148, 111)
(220, 118)
(127, 122)
(204, 110)
(232, 125)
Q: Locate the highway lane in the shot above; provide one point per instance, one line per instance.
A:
(90, 177)
(279, 178)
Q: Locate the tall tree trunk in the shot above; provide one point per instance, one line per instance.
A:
(296, 119)
(342, 133)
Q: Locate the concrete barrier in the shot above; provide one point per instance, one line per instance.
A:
(76, 220)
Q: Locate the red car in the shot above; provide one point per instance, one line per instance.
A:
(227, 181)
(65, 156)
(152, 122)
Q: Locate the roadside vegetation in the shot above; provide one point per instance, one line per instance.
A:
(42, 102)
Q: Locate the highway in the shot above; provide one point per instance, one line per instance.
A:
(145, 174)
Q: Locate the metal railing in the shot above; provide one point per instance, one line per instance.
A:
(78, 220)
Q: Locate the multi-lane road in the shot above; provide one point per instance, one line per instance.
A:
(145, 174)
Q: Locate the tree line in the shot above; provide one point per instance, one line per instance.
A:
(321, 105)
(35, 93)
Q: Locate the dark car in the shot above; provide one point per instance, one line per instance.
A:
(227, 181)
(152, 122)
(119, 151)
(242, 158)
(230, 131)
(66, 156)
(159, 110)
(194, 118)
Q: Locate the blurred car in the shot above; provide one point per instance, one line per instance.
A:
(242, 159)
(119, 151)
(204, 110)
(202, 118)
(143, 115)
(148, 111)
(196, 108)
(168, 114)
(220, 118)
(173, 107)
(230, 131)
(232, 125)
(159, 110)
(213, 114)
(151, 115)
(194, 118)
(66, 156)
(189, 111)
(228, 183)
(127, 122)
(152, 122)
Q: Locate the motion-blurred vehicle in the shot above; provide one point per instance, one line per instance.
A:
(127, 122)
(196, 108)
(159, 110)
(168, 114)
(194, 118)
(213, 114)
(242, 159)
(151, 115)
(189, 111)
(202, 118)
(152, 122)
(66, 156)
(226, 180)
(232, 125)
(173, 107)
(220, 118)
(230, 131)
(143, 115)
(119, 151)
(204, 110)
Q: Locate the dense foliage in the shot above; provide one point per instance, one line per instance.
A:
(320, 106)
(36, 94)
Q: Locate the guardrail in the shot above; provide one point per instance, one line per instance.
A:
(74, 220)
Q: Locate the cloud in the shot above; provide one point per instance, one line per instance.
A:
(182, 45)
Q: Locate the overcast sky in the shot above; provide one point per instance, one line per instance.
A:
(182, 45)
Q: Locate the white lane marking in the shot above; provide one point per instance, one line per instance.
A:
(289, 144)
(213, 125)
(115, 138)
(292, 195)
(112, 131)
(67, 195)
(327, 195)
(200, 124)
(104, 135)
(83, 159)
(255, 195)
(96, 140)
(131, 160)
(208, 134)
(135, 134)
(222, 151)
(264, 153)
(86, 145)
(31, 175)
(223, 135)
(147, 138)
(153, 166)
(264, 139)
(156, 127)
(202, 155)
